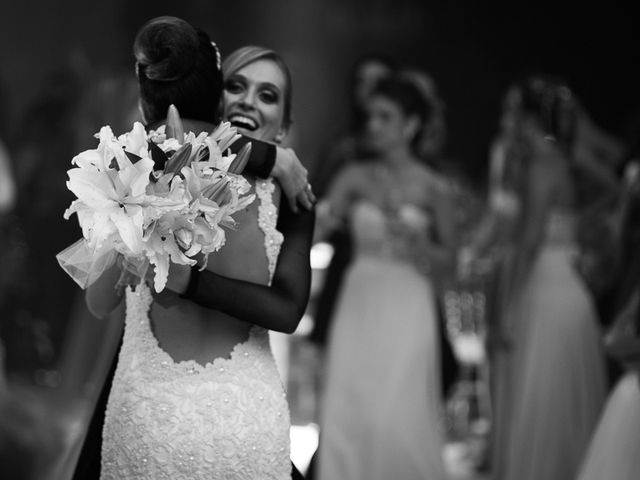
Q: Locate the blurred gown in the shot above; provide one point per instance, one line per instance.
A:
(614, 452)
(559, 381)
(507, 205)
(380, 416)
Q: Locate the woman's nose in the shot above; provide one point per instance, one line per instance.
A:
(248, 98)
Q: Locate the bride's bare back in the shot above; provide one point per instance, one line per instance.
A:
(187, 331)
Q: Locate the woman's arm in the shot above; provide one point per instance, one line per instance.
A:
(538, 193)
(104, 295)
(438, 254)
(333, 209)
(268, 159)
(262, 158)
(279, 306)
(495, 218)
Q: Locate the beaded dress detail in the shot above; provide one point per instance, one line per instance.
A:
(267, 217)
(228, 419)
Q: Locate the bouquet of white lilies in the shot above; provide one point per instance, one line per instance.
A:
(154, 197)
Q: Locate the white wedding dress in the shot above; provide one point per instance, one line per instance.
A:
(381, 411)
(174, 420)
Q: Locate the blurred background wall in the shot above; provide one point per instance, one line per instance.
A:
(473, 50)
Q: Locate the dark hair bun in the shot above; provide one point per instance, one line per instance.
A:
(164, 49)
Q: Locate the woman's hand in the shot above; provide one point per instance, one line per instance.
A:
(292, 177)
(106, 293)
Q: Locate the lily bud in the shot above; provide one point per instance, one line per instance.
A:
(184, 238)
(175, 129)
(218, 192)
(238, 163)
(179, 159)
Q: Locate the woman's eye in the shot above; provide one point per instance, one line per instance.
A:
(233, 87)
(268, 96)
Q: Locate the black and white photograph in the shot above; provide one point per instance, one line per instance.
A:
(319, 240)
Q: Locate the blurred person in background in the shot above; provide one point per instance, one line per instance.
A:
(7, 185)
(600, 159)
(31, 435)
(614, 449)
(558, 380)
(493, 238)
(8, 196)
(597, 149)
(352, 147)
(7, 181)
(34, 315)
(381, 402)
(430, 147)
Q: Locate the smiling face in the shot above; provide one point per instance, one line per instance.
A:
(254, 100)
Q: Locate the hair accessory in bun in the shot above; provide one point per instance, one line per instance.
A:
(218, 59)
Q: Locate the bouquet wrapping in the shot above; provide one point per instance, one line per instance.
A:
(153, 198)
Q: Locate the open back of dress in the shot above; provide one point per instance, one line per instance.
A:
(227, 419)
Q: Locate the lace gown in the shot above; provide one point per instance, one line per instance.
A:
(558, 364)
(380, 411)
(174, 420)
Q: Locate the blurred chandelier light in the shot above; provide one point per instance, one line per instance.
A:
(321, 254)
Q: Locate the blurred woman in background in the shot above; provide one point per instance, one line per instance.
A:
(614, 450)
(558, 380)
(380, 412)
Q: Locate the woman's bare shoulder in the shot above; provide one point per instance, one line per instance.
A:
(433, 180)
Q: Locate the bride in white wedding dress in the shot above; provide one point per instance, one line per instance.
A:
(196, 393)
(380, 412)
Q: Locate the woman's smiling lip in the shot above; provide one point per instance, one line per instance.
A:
(243, 121)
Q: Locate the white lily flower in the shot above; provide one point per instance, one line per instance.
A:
(159, 216)
(117, 199)
(135, 141)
